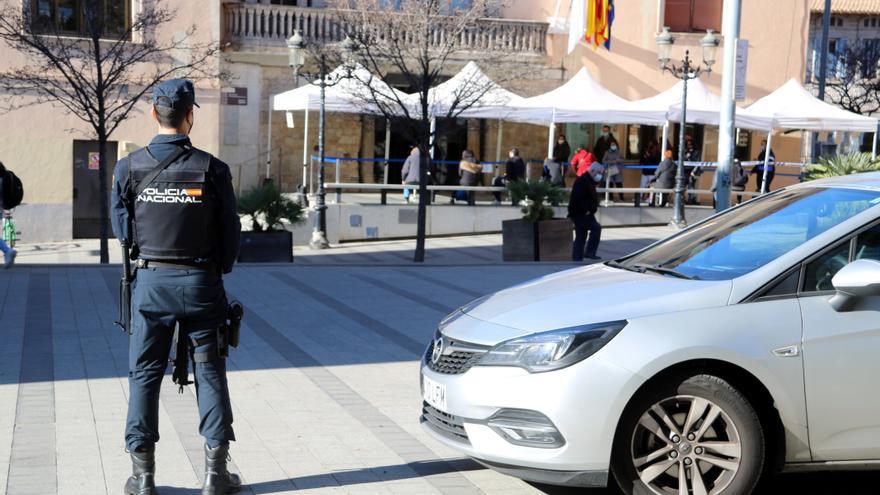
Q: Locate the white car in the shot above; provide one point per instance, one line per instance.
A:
(746, 343)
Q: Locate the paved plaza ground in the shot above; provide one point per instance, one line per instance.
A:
(324, 385)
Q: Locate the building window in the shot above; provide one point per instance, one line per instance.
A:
(870, 63)
(686, 16)
(69, 17)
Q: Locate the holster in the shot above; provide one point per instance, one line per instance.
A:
(180, 363)
(234, 315)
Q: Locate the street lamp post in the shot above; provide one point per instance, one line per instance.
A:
(297, 48)
(686, 71)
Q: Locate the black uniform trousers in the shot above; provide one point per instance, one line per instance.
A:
(194, 299)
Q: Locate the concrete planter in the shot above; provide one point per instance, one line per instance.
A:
(548, 240)
(266, 247)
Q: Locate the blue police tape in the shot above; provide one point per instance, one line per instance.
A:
(334, 159)
(704, 165)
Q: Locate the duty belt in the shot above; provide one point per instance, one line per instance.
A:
(178, 265)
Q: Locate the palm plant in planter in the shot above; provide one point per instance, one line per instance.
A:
(853, 163)
(537, 236)
(270, 213)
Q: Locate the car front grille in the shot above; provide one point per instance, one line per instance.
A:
(456, 357)
(444, 424)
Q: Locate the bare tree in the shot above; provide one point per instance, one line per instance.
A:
(855, 83)
(99, 71)
(415, 41)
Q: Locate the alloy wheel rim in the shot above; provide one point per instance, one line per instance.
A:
(686, 445)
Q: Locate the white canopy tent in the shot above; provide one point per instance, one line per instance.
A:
(472, 88)
(791, 106)
(478, 94)
(351, 93)
(581, 99)
(703, 107)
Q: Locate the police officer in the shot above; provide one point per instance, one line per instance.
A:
(182, 225)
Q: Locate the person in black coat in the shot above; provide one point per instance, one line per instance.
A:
(582, 208)
(603, 144)
(514, 171)
(758, 170)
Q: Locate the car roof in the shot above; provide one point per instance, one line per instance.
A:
(867, 180)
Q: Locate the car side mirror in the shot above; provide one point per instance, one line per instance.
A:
(854, 282)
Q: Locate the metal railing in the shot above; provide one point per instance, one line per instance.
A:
(384, 189)
(271, 25)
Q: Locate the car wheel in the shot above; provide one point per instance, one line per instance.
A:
(693, 435)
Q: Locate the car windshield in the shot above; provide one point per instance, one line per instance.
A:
(752, 235)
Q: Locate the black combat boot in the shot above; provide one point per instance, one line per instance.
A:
(143, 471)
(219, 481)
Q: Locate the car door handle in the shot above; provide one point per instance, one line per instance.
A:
(788, 351)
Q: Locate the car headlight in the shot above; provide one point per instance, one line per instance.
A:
(553, 350)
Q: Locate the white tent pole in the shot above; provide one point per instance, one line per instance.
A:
(387, 149)
(269, 140)
(498, 143)
(552, 137)
(874, 147)
(767, 160)
(306, 160)
(665, 139)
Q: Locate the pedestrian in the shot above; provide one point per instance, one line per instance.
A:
(582, 207)
(582, 160)
(664, 177)
(174, 205)
(561, 155)
(469, 171)
(514, 171)
(692, 171)
(758, 170)
(410, 172)
(614, 167)
(603, 144)
(649, 158)
(9, 254)
(738, 181)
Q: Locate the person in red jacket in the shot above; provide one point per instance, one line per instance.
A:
(582, 161)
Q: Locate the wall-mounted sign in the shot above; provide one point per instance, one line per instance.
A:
(94, 161)
(234, 96)
(742, 63)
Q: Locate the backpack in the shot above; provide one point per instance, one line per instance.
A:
(13, 191)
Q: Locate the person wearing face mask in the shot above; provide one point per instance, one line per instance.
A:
(603, 144)
(175, 207)
(582, 207)
(614, 165)
(561, 155)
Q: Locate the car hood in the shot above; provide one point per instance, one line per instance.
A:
(592, 294)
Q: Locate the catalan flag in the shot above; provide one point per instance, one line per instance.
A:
(600, 16)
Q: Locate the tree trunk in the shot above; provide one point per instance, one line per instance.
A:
(104, 187)
(423, 201)
(424, 149)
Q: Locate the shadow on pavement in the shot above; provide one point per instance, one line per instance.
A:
(837, 483)
(376, 474)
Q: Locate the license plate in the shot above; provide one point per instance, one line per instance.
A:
(434, 393)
